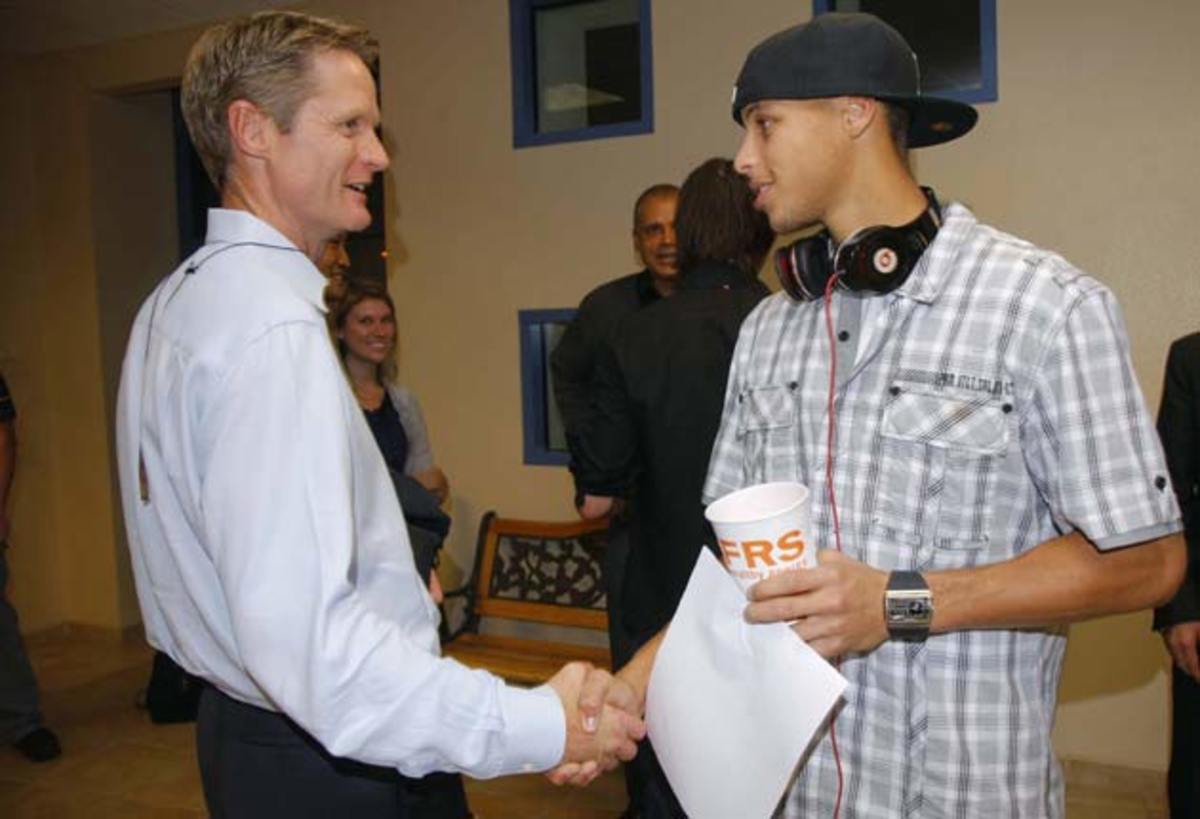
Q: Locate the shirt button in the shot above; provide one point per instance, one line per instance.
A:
(1160, 482)
(844, 335)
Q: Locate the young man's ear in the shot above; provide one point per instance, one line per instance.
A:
(251, 129)
(858, 113)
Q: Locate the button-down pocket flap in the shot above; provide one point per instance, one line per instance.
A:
(976, 424)
(763, 408)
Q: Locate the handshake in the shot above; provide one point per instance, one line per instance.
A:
(603, 718)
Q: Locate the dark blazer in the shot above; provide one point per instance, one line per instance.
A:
(1179, 428)
(573, 362)
(659, 393)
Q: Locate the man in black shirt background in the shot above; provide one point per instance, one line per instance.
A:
(573, 370)
(658, 393)
(573, 363)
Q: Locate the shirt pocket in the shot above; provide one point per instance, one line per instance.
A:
(767, 427)
(942, 453)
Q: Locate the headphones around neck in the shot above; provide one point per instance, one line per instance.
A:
(875, 259)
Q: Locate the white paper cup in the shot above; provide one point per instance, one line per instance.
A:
(764, 529)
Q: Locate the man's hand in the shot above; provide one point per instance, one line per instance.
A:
(1181, 640)
(837, 607)
(435, 587)
(595, 506)
(600, 737)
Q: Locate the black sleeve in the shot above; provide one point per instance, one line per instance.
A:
(604, 457)
(1179, 428)
(571, 366)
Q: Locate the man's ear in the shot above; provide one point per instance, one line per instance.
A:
(251, 129)
(858, 113)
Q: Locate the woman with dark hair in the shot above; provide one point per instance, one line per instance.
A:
(660, 391)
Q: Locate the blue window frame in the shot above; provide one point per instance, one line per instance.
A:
(581, 69)
(544, 438)
(955, 41)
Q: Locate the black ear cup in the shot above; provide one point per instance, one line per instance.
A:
(803, 267)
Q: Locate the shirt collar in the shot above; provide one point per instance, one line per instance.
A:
(228, 226)
(646, 291)
(939, 260)
(712, 275)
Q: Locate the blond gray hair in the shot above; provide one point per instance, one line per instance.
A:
(263, 58)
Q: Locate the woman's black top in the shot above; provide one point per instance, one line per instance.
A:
(389, 433)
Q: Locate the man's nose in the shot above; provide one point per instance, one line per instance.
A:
(374, 154)
(743, 161)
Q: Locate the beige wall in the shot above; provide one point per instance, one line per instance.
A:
(136, 241)
(1089, 151)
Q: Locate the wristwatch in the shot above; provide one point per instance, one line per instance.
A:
(907, 606)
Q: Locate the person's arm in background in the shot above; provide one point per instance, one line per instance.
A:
(1179, 428)
(571, 369)
(8, 455)
(420, 465)
(605, 455)
(572, 365)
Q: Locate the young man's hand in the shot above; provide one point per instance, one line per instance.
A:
(837, 607)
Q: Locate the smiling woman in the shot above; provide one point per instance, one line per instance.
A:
(363, 323)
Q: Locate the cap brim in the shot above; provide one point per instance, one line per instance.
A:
(936, 120)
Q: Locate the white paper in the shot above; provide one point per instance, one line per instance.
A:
(732, 706)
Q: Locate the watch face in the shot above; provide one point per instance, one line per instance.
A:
(909, 608)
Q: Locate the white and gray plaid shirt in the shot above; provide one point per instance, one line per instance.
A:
(992, 408)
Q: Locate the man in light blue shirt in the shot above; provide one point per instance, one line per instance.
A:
(269, 549)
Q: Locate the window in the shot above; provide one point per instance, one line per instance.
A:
(581, 69)
(544, 435)
(955, 41)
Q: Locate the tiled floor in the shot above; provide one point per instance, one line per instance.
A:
(116, 763)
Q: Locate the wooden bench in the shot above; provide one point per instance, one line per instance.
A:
(548, 573)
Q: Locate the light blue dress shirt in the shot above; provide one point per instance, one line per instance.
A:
(269, 551)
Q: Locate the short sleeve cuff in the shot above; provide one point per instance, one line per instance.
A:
(536, 731)
(1142, 535)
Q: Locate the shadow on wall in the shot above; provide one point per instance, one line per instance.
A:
(1111, 655)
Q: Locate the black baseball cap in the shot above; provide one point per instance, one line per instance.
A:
(855, 55)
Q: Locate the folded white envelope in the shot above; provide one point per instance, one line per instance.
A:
(731, 706)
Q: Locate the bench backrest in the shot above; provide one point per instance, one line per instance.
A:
(541, 572)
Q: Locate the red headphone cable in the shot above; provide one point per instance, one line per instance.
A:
(831, 426)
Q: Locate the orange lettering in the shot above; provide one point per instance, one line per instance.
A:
(729, 549)
(791, 546)
(756, 550)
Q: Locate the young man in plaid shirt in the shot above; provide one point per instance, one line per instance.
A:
(995, 472)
